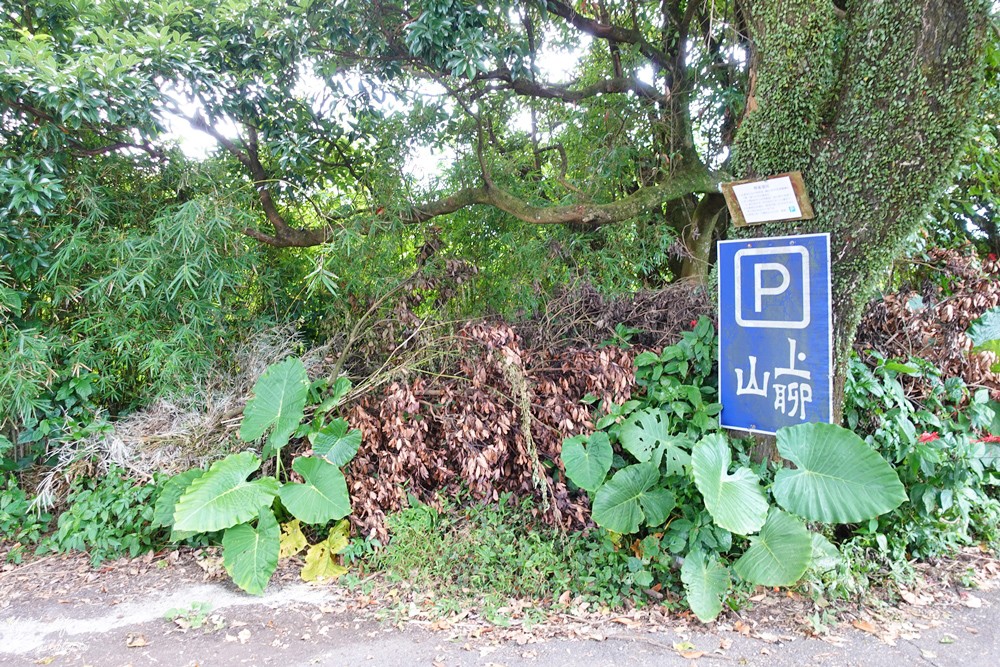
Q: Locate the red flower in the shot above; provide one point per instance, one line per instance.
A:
(694, 323)
(992, 257)
(928, 437)
(989, 437)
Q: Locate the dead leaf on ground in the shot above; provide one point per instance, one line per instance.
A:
(865, 626)
(133, 640)
(972, 602)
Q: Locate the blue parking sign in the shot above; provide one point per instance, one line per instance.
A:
(775, 332)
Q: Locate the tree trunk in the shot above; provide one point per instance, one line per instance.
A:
(871, 105)
(698, 237)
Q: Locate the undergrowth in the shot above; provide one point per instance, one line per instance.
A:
(488, 553)
(943, 446)
(20, 526)
(108, 518)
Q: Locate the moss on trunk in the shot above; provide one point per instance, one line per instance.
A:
(871, 106)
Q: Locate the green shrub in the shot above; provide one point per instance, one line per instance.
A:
(942, 451)
(19, 524)
(108, 518)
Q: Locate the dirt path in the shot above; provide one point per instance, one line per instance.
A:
(59, 611)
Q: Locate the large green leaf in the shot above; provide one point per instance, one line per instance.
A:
(250, 555)
(632, 497)
(838, 477)
(825, 554)
(779, 555)
(985, 332)
(223, 497)
(706, 581)
(337, 442)
(736, 502)
(323, 497)
(279, 399)
(646, 436)
(587, 459)
(166, 503)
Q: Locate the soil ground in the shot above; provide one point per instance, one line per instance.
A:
(60, 611)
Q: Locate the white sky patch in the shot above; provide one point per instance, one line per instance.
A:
(195, 144)
(559, 65)
(426, 164)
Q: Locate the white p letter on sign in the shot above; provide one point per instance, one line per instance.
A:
(759, 291)
(780, 305)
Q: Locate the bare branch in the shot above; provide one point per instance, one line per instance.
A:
(610, 32)
(566, 94)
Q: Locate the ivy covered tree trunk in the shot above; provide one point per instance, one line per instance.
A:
(870, 102)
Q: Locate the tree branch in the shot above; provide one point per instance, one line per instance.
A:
(610, 86)
(693, 180)
(610, 32)
(285, 236)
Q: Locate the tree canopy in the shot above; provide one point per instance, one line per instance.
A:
(533, 136)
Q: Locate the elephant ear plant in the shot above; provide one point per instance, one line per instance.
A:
(225, 498)
(837, 478)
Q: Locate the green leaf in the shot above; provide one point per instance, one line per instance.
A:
(657, 504)
(340, 389)
(646, 358)
(643, 431)
(838, 477)
(324, 495)
(587, 466)
(825, 555)
(985, 332)
(222, 497)
(166, 503)
(250, 555)
(705, 583)
(778, 556)
(278, 403)
(900, 367)
(646, 436)
(337, 442)
(630, 497)
(736, 502)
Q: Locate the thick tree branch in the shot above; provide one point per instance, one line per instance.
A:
(610, 32)
(615, 85)
(694, 180)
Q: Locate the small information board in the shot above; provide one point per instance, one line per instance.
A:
(775, 332)
(779, 198)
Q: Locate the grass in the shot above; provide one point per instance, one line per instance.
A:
(491, 554)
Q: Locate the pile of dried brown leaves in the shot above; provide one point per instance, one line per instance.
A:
(495, 424)
(955, 288)
(490, 410)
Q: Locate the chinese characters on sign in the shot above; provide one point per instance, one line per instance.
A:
(775, 332)
(764, 201)
(778, 198)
